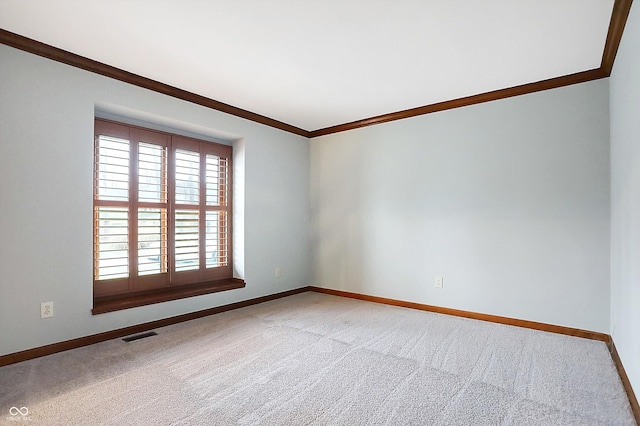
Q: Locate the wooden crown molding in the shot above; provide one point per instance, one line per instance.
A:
(59, 55)
(617, 23)
(524, 89)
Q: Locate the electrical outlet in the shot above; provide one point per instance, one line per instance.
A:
(278, 273)
(46, 309)
(438, 282)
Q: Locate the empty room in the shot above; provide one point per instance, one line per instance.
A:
(320, 212)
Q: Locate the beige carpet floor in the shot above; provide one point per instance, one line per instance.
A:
(323, 360)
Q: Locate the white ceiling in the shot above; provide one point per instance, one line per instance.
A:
(319, 63)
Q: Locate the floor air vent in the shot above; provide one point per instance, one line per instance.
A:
(140, 336)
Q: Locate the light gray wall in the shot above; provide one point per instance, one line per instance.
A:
(625, 199)
(46, 153)
(508, 201)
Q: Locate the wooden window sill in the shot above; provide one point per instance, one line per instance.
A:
(102, 305)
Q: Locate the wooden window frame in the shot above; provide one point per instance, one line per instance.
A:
(139, 290)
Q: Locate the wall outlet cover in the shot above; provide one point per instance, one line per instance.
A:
(46, 309)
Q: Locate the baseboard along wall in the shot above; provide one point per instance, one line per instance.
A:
(473, 315)
(126, 331)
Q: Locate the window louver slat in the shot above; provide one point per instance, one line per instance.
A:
(111, 253)
(216, 239)
(152, 176)
(216, 179)
(152, 242)
(187, 177)
(187, 240)
(112, 165)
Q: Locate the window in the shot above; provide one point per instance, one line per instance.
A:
(162, 217)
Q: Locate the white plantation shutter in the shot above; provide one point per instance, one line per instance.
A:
(162, 210)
